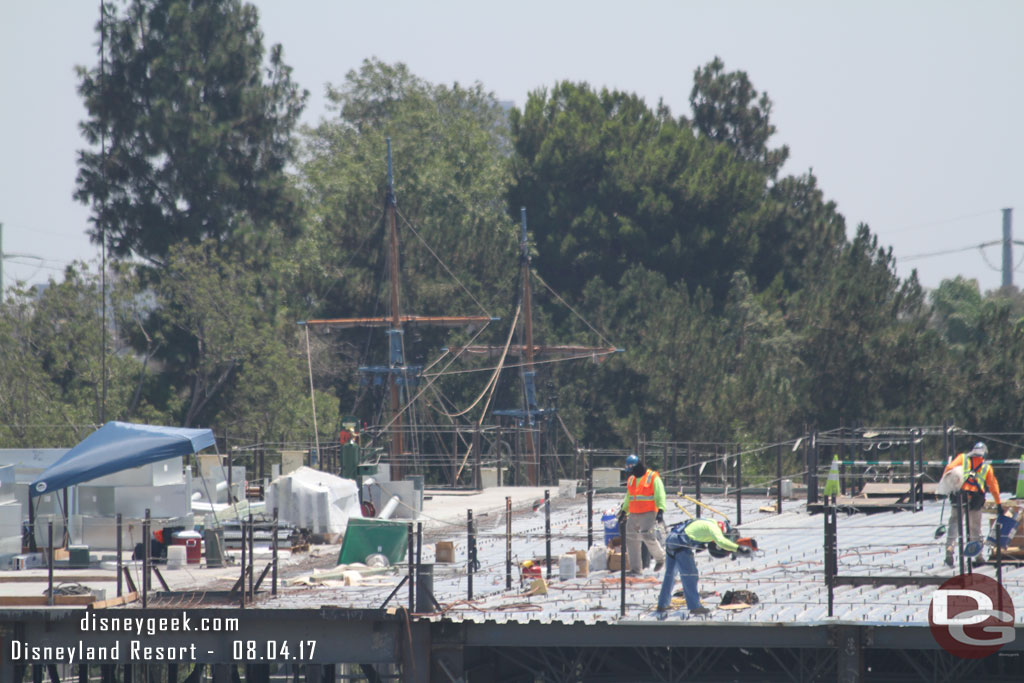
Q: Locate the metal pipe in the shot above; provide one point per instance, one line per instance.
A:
(622, 570)
(273, 576)
(389, 508)
(252, 559)
(590, 506)
(739, 489)
(120, 580)
(960, 527)
(241, 579)
(913, 479)
(547, 530)
(412, 588)
(147, 533)
(470, 554)
(696, 482)
(508, 543)
(49, 563)
(778, 479)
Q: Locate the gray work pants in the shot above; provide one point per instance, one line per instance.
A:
(973, 527)
(640, 529)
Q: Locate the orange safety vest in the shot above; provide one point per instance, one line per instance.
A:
(974, 480)
(641, 493)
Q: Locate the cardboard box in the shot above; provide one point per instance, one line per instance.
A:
(444, 552)
(582, 565)
(615, 561)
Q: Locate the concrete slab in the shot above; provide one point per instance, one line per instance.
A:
(446, 508)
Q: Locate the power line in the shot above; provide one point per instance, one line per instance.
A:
(949, 251)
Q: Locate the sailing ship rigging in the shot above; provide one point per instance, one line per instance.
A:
(403, 378)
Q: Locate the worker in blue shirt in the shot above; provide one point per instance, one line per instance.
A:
(682, 540)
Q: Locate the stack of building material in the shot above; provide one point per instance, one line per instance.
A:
(10, 516)
(318, 502)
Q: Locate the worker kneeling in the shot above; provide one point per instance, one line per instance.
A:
(682, 540)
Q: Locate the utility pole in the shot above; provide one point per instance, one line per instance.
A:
(1007, 248)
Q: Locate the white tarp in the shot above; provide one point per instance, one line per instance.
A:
(314, 500)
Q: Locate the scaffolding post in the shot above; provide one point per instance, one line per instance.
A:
(412, 588)
(120, 580)
(147, 533)
(273, 576)
(49, 563)
(778, 479)
(470, 554)
(739, 489)
(590, 505)
(508, 543)
(547, 530)
(622, 569)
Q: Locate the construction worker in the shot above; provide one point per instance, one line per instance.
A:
(643, 507)
(978, 478)
(682, 540)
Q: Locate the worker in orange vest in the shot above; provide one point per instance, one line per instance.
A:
(978, 478)
(643, 507)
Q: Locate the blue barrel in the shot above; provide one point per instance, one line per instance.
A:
(1007, 527)
(611, 526)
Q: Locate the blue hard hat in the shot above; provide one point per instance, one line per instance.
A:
(980, 449)
(631, 461)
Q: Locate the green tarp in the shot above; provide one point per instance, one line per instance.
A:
(364, 537)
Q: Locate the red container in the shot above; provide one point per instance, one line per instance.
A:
(193, 542)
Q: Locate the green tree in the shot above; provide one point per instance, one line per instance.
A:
(451, 172)
(189, 132)
(859, 327)
(609, 183)
(797, 228)
(726, 108)
(956, 310)
(218, 323)
(51, 365)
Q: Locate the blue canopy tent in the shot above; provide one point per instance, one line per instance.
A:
(120, 446)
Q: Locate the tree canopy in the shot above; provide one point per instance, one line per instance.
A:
(746, 309)
(193, 129)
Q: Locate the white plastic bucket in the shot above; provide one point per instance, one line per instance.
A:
(176, 556)
(567, 567)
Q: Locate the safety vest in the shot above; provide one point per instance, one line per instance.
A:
(641, 492)
(975, 478)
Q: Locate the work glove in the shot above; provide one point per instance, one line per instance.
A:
(744, 550)
(999, 508)
(622, 520)
(661, 516)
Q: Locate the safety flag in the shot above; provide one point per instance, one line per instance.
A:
(1020, 479)
(832, 485)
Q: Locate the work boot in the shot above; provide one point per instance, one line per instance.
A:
(700, 612)
(658, 565)
(949, 557)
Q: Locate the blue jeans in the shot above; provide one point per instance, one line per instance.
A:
(684, 562)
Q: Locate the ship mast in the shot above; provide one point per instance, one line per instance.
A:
(399, 374)
(396, 356)
(528, 372)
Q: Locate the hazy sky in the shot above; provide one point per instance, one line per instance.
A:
(909, 113)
